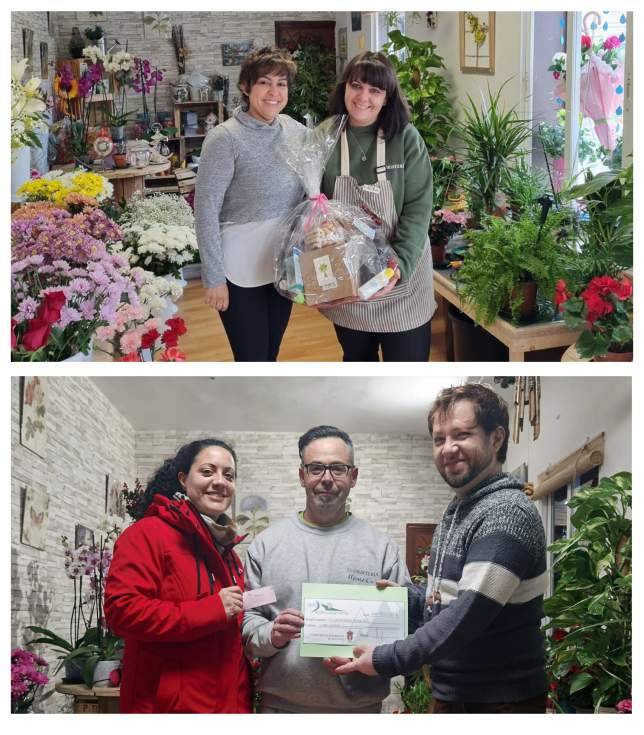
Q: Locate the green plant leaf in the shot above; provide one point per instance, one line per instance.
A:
(580, 681)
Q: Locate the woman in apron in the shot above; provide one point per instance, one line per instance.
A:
(243, 187)
(382, 165)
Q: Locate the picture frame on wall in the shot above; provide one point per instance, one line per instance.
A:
(114, 502)
(83, 536)
(343, 46)
(35, 517)
(233, 53)
(28, 47)
(33, 418)
(356, 21)
(44, 60)
(477, 41)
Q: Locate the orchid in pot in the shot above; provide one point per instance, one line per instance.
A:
(27, 109)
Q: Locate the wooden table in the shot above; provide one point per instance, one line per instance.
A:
(518, 340)
(129, 180)
(97, 700)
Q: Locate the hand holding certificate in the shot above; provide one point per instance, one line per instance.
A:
(338, 618)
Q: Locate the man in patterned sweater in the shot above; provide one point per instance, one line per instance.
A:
(483, 602)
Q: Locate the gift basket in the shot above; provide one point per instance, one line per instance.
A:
(328, 252)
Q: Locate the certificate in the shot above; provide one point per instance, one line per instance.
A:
(338, 617)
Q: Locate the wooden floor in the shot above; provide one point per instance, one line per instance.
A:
(309, 336)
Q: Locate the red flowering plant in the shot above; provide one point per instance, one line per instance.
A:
(27, 676)
(604, 311)
(144, 342)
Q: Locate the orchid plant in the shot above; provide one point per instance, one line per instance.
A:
(27, 109)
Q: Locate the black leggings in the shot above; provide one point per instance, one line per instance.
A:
(410, 346)
(255, 322)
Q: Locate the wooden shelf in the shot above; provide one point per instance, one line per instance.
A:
(196, 104)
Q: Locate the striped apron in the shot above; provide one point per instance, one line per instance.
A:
(411, 303)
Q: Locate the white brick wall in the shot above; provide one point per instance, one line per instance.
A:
(86, 439)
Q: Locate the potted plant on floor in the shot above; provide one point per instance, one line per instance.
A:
(492, 138)
(589, 651)
(508, 263)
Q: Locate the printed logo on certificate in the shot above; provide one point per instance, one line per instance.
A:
(338, 617)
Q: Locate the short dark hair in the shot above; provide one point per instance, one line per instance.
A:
(165, 480)
(374, 68)
(263, 61)
(323, 432)
(490, 410)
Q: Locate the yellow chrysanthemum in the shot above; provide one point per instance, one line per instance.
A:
(41, 190)
(88, 183)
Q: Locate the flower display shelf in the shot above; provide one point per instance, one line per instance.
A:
(518, 339)
(97, 700)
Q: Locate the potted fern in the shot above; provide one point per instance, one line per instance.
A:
(589, 649)
(508, 262)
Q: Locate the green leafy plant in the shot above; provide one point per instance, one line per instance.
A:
(445, 171)
(426, 90)
(590, 647)
(315, 79)
(552, 139)
(110, 648)
(416, 695)
(523, 185)
(492, 137)
(94, 34)
(67, 651)
(504, 254)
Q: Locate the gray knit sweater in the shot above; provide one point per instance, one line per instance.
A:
(284, 556)
(483, 639)
(242, 178)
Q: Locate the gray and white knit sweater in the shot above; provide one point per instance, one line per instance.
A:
(483, 638)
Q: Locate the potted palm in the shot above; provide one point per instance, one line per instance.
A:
(492, 138)
(589, 649)
(508, 262)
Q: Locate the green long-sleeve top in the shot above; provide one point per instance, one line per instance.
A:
(409, 171)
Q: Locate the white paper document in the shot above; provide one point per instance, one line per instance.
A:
(352, 622)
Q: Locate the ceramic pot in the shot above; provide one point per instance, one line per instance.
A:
(614, 357)
(438, 253)
(120, 160)
(102, 672)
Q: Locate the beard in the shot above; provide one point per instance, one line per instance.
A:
(472, 468)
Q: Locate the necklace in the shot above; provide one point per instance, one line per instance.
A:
(363, 157)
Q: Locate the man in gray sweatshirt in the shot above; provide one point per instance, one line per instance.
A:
(324, 544)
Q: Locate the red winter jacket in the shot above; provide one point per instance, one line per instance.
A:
(161, 596)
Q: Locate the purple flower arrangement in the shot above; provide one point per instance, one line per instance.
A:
(26, 678)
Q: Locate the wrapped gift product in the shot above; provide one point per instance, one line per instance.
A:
(328, 252)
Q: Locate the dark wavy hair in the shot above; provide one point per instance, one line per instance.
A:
(165, 480)
(323, 432)
(374, 68)
(266, 60)
(490, 410)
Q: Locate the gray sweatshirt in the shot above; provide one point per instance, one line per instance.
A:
(242, 178)
(284, 556)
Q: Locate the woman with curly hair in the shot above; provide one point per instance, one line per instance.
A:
(174, 590)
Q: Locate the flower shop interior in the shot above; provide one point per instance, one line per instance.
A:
(526, 116)
(82, 447)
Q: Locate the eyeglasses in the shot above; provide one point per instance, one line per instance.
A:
(337, 470)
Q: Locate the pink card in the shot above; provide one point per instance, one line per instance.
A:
(260, 596)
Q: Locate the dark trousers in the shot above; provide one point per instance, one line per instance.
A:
(534, 705)
(255, 322)
(410, 346)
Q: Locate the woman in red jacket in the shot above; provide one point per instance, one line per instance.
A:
(174, 590)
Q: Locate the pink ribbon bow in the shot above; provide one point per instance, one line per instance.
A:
(319, 205)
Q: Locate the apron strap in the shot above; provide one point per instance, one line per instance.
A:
(344, 154)
(380, 156)
(381, 167)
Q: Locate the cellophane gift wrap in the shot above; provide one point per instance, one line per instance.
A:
(328, 252)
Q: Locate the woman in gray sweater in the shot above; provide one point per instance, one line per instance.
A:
(245, 184)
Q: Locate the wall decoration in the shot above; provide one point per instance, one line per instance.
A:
(232, 54)
(156, 25)
(476, 38)
(83, 536)
(343, 47)
(253, 518)
(356, 21)
(432, 18)
(34, 518)
(28, 47)
(44, 60)
(33, 433)
(114, 500)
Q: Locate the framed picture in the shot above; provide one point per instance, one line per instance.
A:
(476, 39)
(83, 536)
(356, 21)
(114, 503)
(28, 47)
(34, 518)
(343, 47)
(44, 60)
(232, 54)
(33, 429)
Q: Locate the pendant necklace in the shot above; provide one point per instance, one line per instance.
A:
(363, 157)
